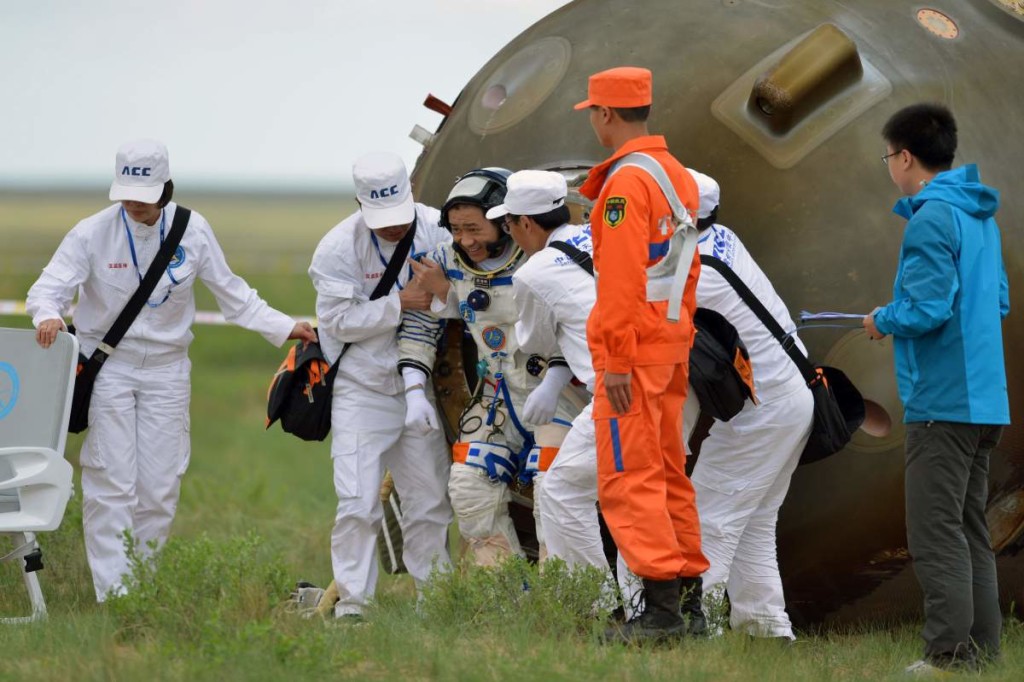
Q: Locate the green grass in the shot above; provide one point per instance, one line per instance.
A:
(255, 516)
(268, 239)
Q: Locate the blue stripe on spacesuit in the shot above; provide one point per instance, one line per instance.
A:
(527, 435)
(528, 441)
(418, 336)
(495, 282)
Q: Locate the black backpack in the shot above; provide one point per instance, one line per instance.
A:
(300, 393)
(720, 371)
(301, 390)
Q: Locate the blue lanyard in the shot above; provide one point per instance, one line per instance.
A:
(135, 260)
(384, 261)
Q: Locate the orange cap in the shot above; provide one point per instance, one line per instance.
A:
(623, 87)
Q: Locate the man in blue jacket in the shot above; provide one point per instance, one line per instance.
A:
(949, 299)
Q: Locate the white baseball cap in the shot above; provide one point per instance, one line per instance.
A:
(531, 192)
(709, 193)
(140, 171)
(383, 190)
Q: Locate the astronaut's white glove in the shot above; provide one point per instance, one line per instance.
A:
(420, 416)
(542, 402)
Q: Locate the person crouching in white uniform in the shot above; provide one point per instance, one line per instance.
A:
(369, 403)
(515, 416)
(745, 465)
(554, 296)
(137, 447)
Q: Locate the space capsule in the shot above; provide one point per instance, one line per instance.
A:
(783, 103)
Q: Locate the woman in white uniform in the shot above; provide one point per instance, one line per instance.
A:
(137, 446)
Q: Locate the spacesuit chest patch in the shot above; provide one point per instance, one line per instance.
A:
(467, 313)
(494, 337)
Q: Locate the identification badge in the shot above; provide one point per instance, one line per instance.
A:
(614, 211)
(178, 259)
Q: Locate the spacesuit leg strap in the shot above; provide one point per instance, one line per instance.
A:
(499, 461)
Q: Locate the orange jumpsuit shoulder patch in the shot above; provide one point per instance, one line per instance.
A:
(614, 211)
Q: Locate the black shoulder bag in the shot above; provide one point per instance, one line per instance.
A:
(89, 367)
(838, 405)
(301, 390)
(720, 371)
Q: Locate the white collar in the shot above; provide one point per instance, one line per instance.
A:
(554, 235)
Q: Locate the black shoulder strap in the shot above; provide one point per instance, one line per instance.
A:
(578, 256)
(142, 294)
(767, 319)
(387, 280)
(395, 264)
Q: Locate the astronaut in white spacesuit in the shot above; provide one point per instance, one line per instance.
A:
(516, 420)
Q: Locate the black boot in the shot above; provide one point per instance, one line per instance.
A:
(691, 592)
(660, 620)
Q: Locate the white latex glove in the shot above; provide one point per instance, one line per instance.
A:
(420, 416)
(542, 402)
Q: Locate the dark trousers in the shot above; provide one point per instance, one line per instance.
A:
(946, 493)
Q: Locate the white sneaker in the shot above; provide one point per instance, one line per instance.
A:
(923, 668)
(346, 620)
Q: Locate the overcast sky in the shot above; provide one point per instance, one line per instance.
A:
(244, 93)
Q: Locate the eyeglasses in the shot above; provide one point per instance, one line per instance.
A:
(885, 159)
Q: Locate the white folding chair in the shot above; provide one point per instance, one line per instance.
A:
(36, 387)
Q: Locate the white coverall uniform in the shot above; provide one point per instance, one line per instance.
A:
(745, 464)
(491, 436)
(137, 446)
(368, 411)
(554, 297)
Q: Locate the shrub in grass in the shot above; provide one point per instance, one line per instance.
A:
(200, 592)
(551, 600)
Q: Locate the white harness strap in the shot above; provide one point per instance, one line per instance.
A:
(666, 279)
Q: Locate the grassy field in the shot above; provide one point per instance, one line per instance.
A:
(255, 516)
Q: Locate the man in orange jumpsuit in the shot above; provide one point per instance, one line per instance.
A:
(641, 356)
